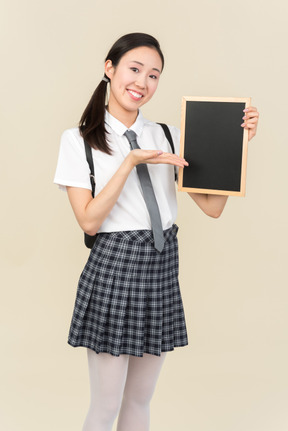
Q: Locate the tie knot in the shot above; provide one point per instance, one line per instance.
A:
(131, 136)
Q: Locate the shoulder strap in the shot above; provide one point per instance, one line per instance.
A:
(168, 135)
(89, 158)
(170, 140)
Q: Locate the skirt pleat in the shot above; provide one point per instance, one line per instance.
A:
(128, 299)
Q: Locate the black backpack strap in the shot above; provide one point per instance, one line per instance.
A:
(170, 140)
(89, 158)
(168, 135)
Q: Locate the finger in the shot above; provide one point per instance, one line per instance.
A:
(174, 158)
(251, 120)
(168, 158)
(153, 154)
(249, 126)
(173, 161)
(171, 156)
(250, 109)
(158, 156)
(251, 115)
(147, 154)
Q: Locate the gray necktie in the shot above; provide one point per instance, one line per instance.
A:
(149, 195)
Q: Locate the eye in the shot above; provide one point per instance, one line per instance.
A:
(134, 69)
(153, 76)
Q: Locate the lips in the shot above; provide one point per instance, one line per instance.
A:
(135, 95)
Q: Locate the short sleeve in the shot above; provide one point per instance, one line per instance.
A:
(72, 166)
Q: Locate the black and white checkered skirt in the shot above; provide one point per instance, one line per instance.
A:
(128, 299)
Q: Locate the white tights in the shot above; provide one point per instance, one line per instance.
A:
(124, 383)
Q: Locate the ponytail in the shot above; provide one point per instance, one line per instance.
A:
(92, 125)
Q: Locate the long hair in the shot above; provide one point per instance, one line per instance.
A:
(92, 125)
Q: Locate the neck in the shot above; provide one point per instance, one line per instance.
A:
(125, 117)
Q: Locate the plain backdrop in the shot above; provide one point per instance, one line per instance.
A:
(233, 375)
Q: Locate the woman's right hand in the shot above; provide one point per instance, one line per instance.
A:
(91, 212)
(155, 157)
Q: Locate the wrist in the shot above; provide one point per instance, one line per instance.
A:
(129, 161)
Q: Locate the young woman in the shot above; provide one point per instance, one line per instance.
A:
(128, 311)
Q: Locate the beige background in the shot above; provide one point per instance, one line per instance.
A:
(233, 376)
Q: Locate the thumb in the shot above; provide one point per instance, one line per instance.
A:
(156, 154)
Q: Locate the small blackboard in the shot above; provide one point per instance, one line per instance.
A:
(214, 144)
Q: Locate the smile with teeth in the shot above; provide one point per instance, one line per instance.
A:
(134, 94)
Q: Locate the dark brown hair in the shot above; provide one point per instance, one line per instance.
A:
(91, 125)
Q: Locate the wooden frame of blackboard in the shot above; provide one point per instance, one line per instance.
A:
(214, 144)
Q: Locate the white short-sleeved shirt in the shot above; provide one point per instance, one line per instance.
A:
(130, 211)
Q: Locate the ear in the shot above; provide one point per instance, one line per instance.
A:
(109, 69)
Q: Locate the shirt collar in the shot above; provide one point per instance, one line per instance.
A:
(120, 128)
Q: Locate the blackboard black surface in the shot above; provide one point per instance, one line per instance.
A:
(214, 144)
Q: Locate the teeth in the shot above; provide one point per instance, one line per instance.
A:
(135, 94)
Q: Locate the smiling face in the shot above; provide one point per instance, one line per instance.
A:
(132, 82)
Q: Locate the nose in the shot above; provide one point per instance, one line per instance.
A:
(140, 81)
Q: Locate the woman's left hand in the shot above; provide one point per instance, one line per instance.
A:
(251, 117)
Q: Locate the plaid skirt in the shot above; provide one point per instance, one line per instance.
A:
(128, 298)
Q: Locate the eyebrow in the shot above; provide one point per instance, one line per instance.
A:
(141, 64)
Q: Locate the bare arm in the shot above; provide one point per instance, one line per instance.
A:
(91, 212)
(212, 205)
